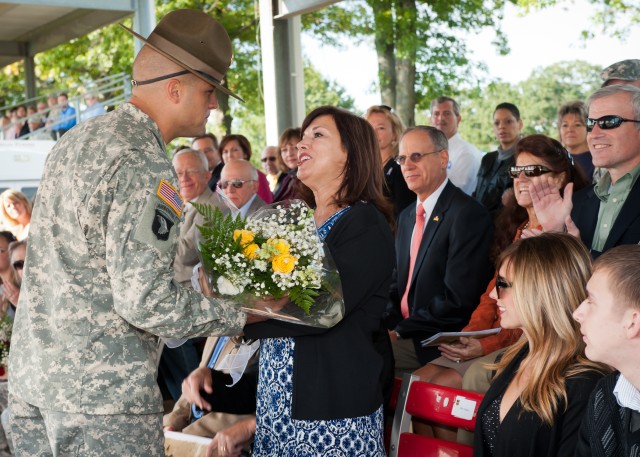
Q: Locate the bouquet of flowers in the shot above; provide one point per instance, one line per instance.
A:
(273, 253)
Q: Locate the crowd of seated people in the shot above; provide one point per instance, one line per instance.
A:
(418, 255)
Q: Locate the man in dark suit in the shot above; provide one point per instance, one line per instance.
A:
(606, 214)
(442, 256)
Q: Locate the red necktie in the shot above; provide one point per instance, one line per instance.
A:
(413, 253)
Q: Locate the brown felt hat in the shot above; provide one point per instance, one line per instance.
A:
(195, 41)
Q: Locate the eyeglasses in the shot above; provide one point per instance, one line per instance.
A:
(414, 157)
(268, 159)
(501, 283)
(607, 122)
(529, 171)
(18, 264)
(236, 183)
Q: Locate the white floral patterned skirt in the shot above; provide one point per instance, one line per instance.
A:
(277, 434)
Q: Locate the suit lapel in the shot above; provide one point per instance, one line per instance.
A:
(628, 213)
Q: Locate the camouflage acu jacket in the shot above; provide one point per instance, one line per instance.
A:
(98, 279)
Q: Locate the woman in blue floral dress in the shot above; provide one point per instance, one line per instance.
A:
(320, 390)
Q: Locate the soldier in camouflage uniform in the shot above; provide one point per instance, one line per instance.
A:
(623, 72)
(98, 285)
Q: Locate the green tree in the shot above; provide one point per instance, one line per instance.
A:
(538, 99)
(420, 53)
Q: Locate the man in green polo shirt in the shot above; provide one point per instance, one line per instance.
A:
(606, 214)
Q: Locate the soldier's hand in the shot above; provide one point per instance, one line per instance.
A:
(265, 307)
(204, 283)
(199, 379)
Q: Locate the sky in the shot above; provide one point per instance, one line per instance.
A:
(537, 39)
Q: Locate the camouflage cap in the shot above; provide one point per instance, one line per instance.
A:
(626, 70)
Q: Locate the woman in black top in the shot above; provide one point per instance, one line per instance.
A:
(536, 402)
(389, 128)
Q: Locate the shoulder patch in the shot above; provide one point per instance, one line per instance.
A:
(170, 196)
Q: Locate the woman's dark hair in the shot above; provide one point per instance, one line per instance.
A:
(242, 141)
(362, 174)
(509, 107)
(559, 160)
(7, 235)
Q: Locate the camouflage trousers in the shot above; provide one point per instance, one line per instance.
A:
(38, 432)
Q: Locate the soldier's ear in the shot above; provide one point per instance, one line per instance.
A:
(174, 90)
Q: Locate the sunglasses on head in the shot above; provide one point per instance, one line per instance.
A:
(236, 183)
(607, 122)
(18, 265)
(501, 283)
(414, 157)
(268, 159)
(529, 171)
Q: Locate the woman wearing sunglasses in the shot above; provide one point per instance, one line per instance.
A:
(535, 155)
(535, 404)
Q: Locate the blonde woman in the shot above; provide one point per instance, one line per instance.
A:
(16, 212)
(540, 393)
(389, 128)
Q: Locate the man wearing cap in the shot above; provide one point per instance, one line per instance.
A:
(623, 72)
(98, 282)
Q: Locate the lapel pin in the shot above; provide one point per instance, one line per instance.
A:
(436, 218)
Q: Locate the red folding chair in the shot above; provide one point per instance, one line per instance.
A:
(438, 404)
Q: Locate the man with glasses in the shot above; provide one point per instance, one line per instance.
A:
(271, 168)
(239, 184)
(606, 214)
(442, 252)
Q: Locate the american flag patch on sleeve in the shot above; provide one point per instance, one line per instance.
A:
(170, 196)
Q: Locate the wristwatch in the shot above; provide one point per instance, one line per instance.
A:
(397, 335)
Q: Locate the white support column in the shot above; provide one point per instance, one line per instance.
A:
(269, 71)
(144, 21)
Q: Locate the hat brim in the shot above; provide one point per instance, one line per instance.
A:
(200, 75)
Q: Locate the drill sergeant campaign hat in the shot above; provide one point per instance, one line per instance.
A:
(196, 42)
(625, 70)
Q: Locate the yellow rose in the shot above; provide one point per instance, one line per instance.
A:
(246, 236)
(279, 245)
(283, 263)
(250, 251)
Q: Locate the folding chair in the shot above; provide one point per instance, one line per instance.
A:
(438, 404)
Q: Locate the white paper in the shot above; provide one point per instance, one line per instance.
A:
(463, 408)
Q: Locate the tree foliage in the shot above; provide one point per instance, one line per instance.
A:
(613, 17)
(420, 53)
(538, 99)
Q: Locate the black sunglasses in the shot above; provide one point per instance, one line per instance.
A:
(236, 183)
(607, 122)
(18, 265)
(414, 157)
(501, 283)
(270, 159)
(529, 171)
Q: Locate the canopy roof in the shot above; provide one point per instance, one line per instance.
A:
(31, 26)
